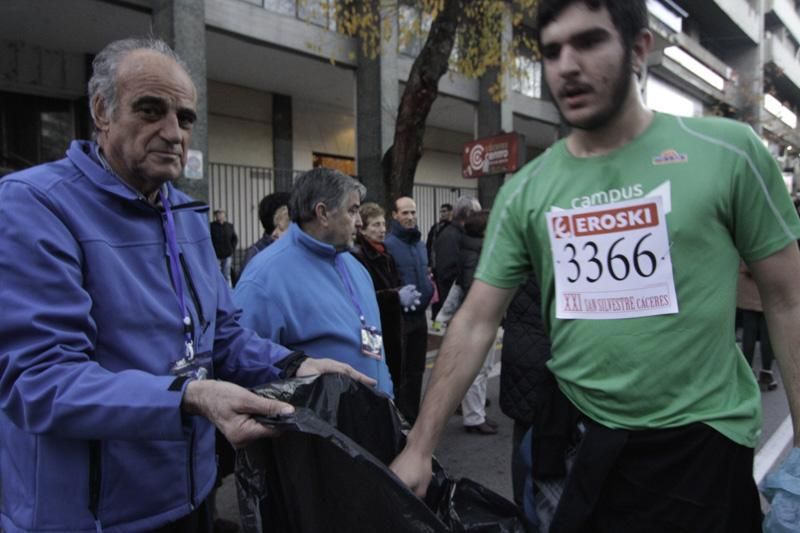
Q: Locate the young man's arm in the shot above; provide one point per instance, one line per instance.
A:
(778, 280)
(468, 338)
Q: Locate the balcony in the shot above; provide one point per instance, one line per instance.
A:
(726, 21)
(779, 51)
(746, 17)
(785, 12)
(685, 63)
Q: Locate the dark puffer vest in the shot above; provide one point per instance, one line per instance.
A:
(526, 349)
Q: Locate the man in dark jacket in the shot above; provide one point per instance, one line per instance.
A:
(447, 244)
(445, 216)
(224, 239)
(266, 215)
(404, 244)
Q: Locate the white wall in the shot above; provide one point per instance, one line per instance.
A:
(441, 159)
(239, 125)
(661, 96)
(240, 132)
(322, 129)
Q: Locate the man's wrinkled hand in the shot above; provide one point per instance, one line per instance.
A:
(230, 408)
(414, 470)
(312, 367)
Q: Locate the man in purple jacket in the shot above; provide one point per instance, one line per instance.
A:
(114, 310)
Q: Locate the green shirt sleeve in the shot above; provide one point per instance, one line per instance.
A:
(764, 219)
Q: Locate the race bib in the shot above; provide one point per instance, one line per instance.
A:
(612, 261)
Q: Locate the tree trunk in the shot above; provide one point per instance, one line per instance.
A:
(400, 161)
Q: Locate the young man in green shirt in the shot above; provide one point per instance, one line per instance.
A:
(634, 224)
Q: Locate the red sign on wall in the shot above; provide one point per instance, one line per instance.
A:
(491, 155)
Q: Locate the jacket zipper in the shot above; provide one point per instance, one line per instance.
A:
(193, 293)
(190, 473)
(95, 479)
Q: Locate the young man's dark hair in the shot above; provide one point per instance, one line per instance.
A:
(628, 16)
(267, 207)
(449, 207)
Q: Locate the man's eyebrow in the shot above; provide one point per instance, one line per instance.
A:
(148, 100)
(592, 33)
(589, 34)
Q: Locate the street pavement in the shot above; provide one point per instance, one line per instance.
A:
(487, 458)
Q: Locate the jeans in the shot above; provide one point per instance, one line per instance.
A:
(225, 268)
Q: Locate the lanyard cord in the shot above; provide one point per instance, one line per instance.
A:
(346, 279)
(174, 264)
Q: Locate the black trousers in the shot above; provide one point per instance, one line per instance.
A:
(518, 469)
(690, 479)
(199, 521)
(415, 347)
(754, 328)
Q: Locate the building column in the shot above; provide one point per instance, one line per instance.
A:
(749, 66)
(181, 23)
(377, 100)
(282, 146)
(494, 117)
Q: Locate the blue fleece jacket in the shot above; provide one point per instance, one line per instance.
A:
(90, 328)
(411, 258)
(293, 293)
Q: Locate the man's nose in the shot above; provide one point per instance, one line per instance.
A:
(359, 224)
(171, 128)
(568, 62)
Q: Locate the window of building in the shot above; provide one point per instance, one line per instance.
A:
(413, 27)
(526, 73)
(341, 163)
(527, 77)
(318, 12)
(284, 7)
(36, 129)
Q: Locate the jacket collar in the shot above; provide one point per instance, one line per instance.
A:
(301, 238)
(409, 235)
(83, 155)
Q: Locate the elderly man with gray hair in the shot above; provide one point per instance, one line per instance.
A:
(306, 292)
(114, 312)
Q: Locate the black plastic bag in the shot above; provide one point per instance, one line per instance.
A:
(329, 471)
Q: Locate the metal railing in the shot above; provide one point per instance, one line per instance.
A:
(430, 197)
(237, 190)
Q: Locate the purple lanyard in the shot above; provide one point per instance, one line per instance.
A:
(174, 264)
(346, 279)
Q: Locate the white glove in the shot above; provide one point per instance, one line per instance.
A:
(409, 297)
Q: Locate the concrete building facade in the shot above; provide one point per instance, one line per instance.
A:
(281, 91)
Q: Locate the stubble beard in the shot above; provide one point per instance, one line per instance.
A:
(619, 93)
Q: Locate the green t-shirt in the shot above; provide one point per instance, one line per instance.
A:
(724, 196)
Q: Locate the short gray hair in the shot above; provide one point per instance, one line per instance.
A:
(105, 65)
(465, 206)
(325, 185)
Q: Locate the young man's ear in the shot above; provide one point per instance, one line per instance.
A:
(642, 45)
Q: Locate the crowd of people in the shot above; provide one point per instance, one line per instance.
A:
(123, 346)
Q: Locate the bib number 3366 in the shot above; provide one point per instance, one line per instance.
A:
(612, 261)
